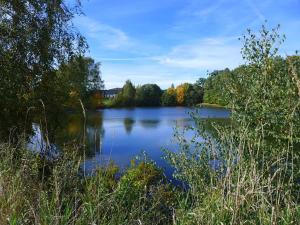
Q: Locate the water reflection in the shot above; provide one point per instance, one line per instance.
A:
(150, 123)
(94, 133)
(121, 134)
(183, 122)
(128, 124)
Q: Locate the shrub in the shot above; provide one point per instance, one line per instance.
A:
(249, 173)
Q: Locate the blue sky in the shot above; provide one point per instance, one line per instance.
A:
(176, 41)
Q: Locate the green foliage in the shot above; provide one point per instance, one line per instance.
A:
(81, 79)
(148, 95)
(126, 98)
(194, 94)
(151, 95)
(168, 97)
(147, 181)
(215, 91)
(128, 94)
(36, 36)
(247, 172)
(200, 83)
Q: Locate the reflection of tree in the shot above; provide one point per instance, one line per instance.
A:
(128, 124)
(94, 132)
(183, 122)
(150, 123)
(68, 128)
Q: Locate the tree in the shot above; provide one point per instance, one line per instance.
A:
(200, 82)
(148, 95)
(181, 91)
(128, 93)
(81, 79)
(169, 97)
(267, 84)
(127, 96)
(36, 36)
(194, 95)
(95, 82)
(214, 87)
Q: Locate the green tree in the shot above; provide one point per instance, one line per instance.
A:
(200, 82)
(81, 79)
(194, 94)
(214, 87)
(126, 98)
(266, 88)
(148, 95)
(168, 97)
(95, 82)
(36, 36)
(128, 94)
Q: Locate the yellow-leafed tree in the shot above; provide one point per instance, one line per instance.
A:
(181, 91)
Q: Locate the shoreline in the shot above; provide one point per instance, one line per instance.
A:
(212, 105)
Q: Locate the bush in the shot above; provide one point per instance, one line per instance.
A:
(148, 95)
(249, 173)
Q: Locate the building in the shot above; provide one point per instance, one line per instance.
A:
(111, 93)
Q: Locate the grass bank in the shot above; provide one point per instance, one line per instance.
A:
(212, 105)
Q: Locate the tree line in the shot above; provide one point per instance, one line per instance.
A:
(152, 95)
(220, 83)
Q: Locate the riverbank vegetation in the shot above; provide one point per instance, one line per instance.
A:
(247, 172)
(42, 63)
(151, 95)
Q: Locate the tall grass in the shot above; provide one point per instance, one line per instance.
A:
(235, 180)
(36, 190)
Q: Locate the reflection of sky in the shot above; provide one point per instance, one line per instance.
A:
(37, 142)
(152, 129)
(122, 134)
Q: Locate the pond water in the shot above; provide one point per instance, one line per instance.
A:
(122, 134)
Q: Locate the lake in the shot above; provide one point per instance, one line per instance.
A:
(122, 134)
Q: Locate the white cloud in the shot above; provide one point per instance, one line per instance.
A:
(205, 54)
(103, 34)
(183, 63)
